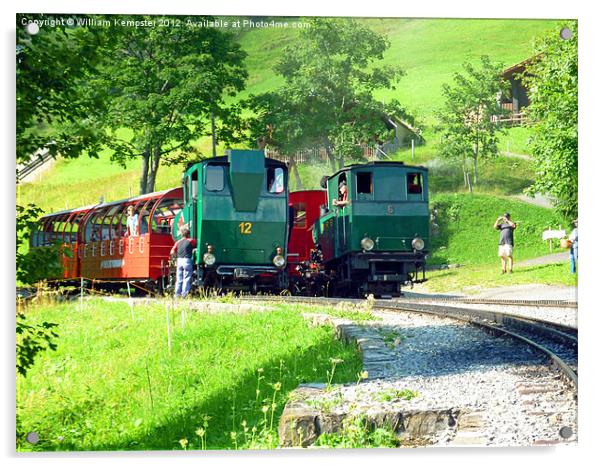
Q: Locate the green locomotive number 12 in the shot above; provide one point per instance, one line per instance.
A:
(245, 228)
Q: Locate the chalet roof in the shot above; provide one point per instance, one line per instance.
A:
(519, 67)
(395, 121)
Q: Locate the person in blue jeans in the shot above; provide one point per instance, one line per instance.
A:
(182, 249)
(573, 252)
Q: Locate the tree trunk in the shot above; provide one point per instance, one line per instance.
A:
(144, 177)
(330, 155)
(466, 176)
(474, 159)
(469, 183)
(341, 161)
(152, 175)
(295, 171)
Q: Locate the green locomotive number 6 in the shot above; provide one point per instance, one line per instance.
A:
(245, 228)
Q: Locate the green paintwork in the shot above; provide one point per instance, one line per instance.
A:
(238, 236)
(247, 174)
(389, 215)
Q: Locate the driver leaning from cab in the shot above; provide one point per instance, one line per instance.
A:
(342, 201)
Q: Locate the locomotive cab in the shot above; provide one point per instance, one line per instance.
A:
(375, 234)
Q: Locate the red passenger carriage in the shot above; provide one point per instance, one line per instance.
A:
(104, 248)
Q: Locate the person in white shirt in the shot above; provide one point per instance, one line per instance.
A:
(132, 222)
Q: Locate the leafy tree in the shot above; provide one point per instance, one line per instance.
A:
(56, 109)
(35, 264)
(31, 340)
(165, 84)
(465, 121)
(552, 84)
(327, 99)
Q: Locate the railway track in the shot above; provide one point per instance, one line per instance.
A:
(556, 341)
(539, 400)
(491, 301)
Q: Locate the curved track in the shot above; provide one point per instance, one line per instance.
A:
(557, 342)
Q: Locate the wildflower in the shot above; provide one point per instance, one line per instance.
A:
(244, 423)
(260, 370)
(184, 443)
(336, 361)
(233, 435)
(277, 386)
(200, 432)
(264, 409)
(363, 375)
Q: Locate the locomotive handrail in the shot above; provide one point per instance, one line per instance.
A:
(130, 248)
(121, 243)
(111, 247)
(102, 248)
(141, 244)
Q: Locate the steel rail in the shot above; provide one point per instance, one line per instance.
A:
(493, 301)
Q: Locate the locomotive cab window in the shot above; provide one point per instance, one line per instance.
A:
(194, 184)
(342, 193)
(275, 180)
(363, 183)
(414, 183)
(214, 178)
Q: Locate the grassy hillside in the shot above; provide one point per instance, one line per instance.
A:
(466, 228)
(430, 50)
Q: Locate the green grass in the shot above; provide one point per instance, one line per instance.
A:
(113, 385)
(466, 228)
(516, 140)
(357, 313)
(473, 279)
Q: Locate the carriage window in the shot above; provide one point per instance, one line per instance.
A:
(414, 183)
(364, 182)
(214, 178)
(164, 215)
(275, 178)
(300, 220)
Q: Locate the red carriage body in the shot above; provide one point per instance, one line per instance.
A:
(100, 242)
(306, 211)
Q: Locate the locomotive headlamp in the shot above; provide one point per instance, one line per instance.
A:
(279, 250)
(279, 261)
(209, 259)
(418, 244)
(367, 244)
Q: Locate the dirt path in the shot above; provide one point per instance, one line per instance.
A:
(533, 291)
(538, 200)
(547, 259)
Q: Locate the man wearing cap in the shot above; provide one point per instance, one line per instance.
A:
(342, 201)
(573, 252)
(506, 244)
